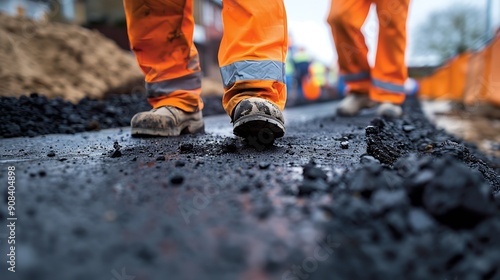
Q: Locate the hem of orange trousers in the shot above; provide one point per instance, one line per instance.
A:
(187, 101)
(362, 86)
(377, 95)
(382, 96)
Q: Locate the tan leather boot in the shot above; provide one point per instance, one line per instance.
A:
(166, 121)
(353, 103)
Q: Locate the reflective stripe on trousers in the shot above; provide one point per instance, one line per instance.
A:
(189, 82)
(249, 70)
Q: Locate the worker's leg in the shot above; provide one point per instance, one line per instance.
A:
(390, 72)
(252, 56)
(346, 18)
(161, 36)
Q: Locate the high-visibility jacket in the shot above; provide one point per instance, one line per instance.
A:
(385, 81)
(318, 73)
(289, 67)
(301, 56)
(251, 57)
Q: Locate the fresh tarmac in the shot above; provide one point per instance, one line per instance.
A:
(336, 198)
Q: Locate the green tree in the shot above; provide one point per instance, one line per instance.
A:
(451, 31)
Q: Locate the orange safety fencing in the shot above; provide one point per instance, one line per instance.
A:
(448, 82)
(483, 81)
(470, 78)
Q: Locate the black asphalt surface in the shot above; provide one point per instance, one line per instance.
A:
(336, 198)
(36, 114)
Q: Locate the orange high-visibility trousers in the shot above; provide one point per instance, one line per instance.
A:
(385, 82)
(161, 36)
(251, 55)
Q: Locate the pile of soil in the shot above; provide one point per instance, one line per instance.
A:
(61, 60)
(68, 61)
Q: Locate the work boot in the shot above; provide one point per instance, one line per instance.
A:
(353, 103)
(258, 120)
(166, 121)
(389, 110)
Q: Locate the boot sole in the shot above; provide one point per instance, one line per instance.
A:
(259, 126)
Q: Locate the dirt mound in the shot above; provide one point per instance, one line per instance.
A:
(60, 60)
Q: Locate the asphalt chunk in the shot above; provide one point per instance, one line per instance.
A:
(177, 179)
(344, 144)
(160, 158)
(116, 154)
(264, 165)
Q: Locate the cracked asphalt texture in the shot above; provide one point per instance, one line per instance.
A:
(336, 198)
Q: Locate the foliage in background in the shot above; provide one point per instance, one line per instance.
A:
(451, 31)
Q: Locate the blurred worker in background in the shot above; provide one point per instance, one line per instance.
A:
(291, 82)
(384, 84)
(251, 58)
(301, 62)
(313, 86)
(318, 73)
